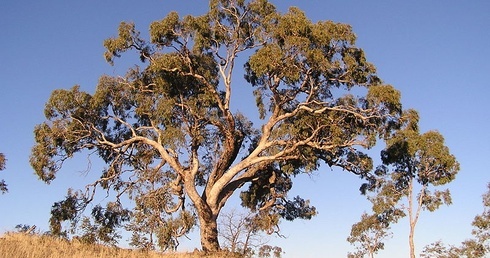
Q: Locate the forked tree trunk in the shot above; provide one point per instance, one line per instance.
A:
(209, 232)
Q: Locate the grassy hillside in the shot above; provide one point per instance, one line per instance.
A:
(18, 245)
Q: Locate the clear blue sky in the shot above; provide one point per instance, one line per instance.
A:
(437, 53)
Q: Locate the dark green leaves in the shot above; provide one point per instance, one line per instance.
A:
(164, 32)
(127, 38)
(268, 197)
(3, 185)
(65, 210)
(368, 235)
(424, 157)
(298, 208)
(70, 115)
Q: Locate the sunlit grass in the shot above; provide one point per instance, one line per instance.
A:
(19, 245)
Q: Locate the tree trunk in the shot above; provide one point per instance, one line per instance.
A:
(209, 232)
(412, 223)
(413, 217)
(410, 240)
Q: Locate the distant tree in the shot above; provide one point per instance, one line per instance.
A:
(439, 250)
(170, 130)
(26, 229)
(237, 232)
(480, 245)
(241, 234)
(270, 251)
(369, 234)
(3, 185)
(414, 165)
(476, 247)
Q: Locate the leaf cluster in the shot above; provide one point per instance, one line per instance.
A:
(3, 185)
(103, 229)
(267, 196)
(368, 235)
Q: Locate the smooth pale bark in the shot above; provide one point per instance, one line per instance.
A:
(413, 215)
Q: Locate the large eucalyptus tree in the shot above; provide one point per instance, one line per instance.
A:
(169, 133)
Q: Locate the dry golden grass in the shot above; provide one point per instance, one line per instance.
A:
(18, 245)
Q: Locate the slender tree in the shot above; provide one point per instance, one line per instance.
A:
(439, 250)
(414, 165)
(369, 235)
(241, 234)
(238, 233)
(170, 133)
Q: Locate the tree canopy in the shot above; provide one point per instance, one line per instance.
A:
(168, 133)
(414, 166)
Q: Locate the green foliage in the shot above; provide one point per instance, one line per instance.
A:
(2, 161)
(167, 132)
(438, 250)
(416, 158)
(63, 211)
(168, 235)
(414, 165)
(424, 157)
(3, 185)
(476, 247)
(480, 245)
(270, 251)
(368, 235)
(128, 38)
(268, 197)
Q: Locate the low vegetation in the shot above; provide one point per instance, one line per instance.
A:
(32, 246)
